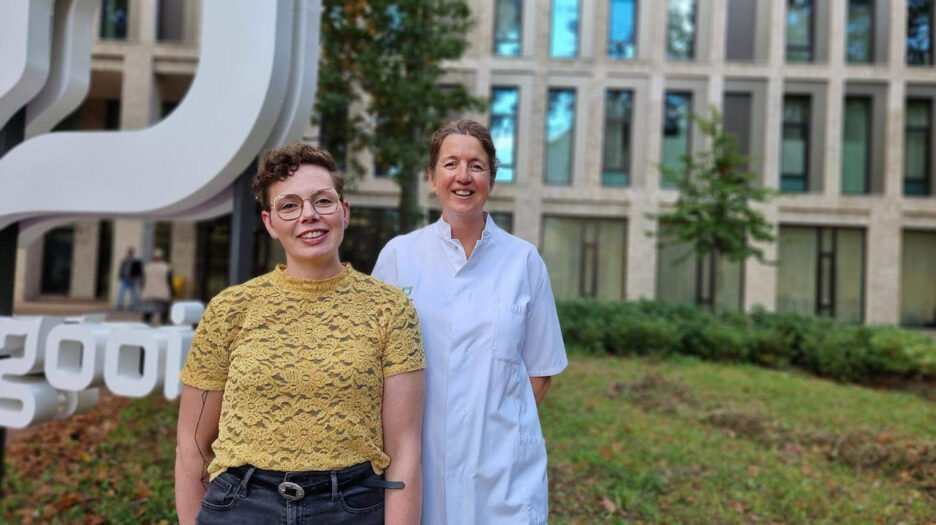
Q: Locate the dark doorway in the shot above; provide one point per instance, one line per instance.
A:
(56, 261)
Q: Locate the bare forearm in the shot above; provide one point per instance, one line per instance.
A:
(189, 488)
(404, 506)
(540, 386)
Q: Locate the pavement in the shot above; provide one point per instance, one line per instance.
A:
(71, 307)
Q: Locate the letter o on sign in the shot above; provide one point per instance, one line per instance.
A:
(122, 361)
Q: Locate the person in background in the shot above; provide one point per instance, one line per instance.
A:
(303, 387)
(492, 342)
(157, 288)
(128, 276)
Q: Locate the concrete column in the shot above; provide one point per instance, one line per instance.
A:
(832, 162)
(883, 253)
(137, 91)
(29, 267)
(641, 271)
(894, 139)
(718, 35)
(184, 241)
(84, 260)
(897, 39)
(128, 233)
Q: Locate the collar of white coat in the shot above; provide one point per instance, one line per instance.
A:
(444, 229)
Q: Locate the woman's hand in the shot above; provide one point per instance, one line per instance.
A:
(199, 413)
(403, 400)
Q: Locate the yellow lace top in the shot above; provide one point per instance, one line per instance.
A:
(301, 364)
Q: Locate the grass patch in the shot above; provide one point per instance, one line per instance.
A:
(630, 440)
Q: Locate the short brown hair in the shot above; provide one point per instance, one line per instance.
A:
(279, 164)
(463, 127)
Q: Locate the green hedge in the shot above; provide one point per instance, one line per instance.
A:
(857, 353)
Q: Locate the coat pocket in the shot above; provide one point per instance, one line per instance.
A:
(510, 331)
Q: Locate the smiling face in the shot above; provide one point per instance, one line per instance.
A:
(311, 241)
(462, 177)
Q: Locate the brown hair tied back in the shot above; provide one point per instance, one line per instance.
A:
(463, 127)
(278, 164)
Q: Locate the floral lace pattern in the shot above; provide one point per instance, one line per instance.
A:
(301, 364)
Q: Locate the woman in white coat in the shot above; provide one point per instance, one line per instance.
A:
(492, 341)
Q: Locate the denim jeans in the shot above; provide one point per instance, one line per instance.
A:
(132, 286)
(246, 495)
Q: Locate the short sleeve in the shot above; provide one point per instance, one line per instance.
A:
(403, 348)
(385, 269)
(543, 351)
(206, 366)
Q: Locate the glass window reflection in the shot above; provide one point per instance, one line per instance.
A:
(560, 126)
(563, 42)
(917, 150)
(504, 102)
(677, 111)
(114, 19)
(860, 30)
(920, 32)
(617, 131)
(622, 29)
(508, 28)
(799, 31)
(680, 30)
(795, 147)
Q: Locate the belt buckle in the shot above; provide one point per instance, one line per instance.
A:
(286, 486)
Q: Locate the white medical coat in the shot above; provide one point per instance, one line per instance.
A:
(489, 323)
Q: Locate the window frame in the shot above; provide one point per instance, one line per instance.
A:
(811, 51)
(519, 4)
(695, 35)
(516, 120)
(578, 31)
(629, 127)
(932, 34)
(804, 127)
(584, 222)
(690, 95)
(869, 142)
(872, 32)
(636, 34)
(928, 133)
(546, 163)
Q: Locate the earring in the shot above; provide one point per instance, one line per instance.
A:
(274, 236)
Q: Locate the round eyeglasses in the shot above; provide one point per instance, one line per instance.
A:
(289, 207)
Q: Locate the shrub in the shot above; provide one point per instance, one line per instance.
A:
(822, 346)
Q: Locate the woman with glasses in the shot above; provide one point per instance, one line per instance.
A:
(492, 342)
(303, 389)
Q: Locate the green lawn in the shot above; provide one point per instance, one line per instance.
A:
(630, 440)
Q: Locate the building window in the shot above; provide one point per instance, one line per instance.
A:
(677, 110)
(171, 22)
(368, 231)
(799, 31)
(741, 29)
(920, 32)
(617, 136)
(622, 29)
(856, 145)
(560, 136)
(585, 257)
(563, 42)
(114, 19)
(504, 102)
(508, 28)
(821, 271)
(680, 30)
(736, 121)
(684, 277)
(383, 169)
(917, 275)
(333, 134)
(860, 45)
(57, 247)
(917, 147)
(795, 148)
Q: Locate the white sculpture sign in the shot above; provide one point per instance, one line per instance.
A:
(53, 367)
